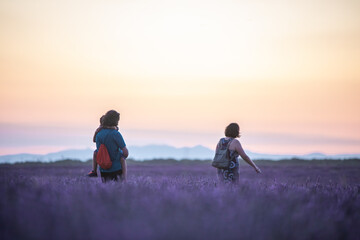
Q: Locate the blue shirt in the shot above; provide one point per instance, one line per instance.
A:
(114, 142)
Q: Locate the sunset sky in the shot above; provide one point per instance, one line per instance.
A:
(179, 71)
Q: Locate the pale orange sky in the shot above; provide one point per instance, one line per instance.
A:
(179, 72)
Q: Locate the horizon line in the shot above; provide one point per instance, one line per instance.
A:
(171, 146)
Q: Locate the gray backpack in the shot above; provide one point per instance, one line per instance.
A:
(222, 157)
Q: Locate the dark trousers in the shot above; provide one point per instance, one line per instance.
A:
(111, 176)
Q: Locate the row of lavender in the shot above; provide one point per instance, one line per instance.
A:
(180, 202)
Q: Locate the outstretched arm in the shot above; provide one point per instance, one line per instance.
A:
(244, 156)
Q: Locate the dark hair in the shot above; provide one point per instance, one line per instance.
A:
(111, 118)
(232, 130)
(102, 120)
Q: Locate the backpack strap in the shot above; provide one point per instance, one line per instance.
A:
(227, 146)
(105, 138)
(105, 141)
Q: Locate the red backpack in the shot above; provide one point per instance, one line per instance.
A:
(103, 158)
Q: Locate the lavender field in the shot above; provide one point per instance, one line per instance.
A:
(286, 201)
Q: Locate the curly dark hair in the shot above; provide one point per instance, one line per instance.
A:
(232, 130)
(111, 118)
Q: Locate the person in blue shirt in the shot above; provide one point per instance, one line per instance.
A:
(93, 172)
(116, 147)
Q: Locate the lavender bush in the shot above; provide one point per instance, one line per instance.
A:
(180, 202)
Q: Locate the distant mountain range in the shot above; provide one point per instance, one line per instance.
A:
(149, 152)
